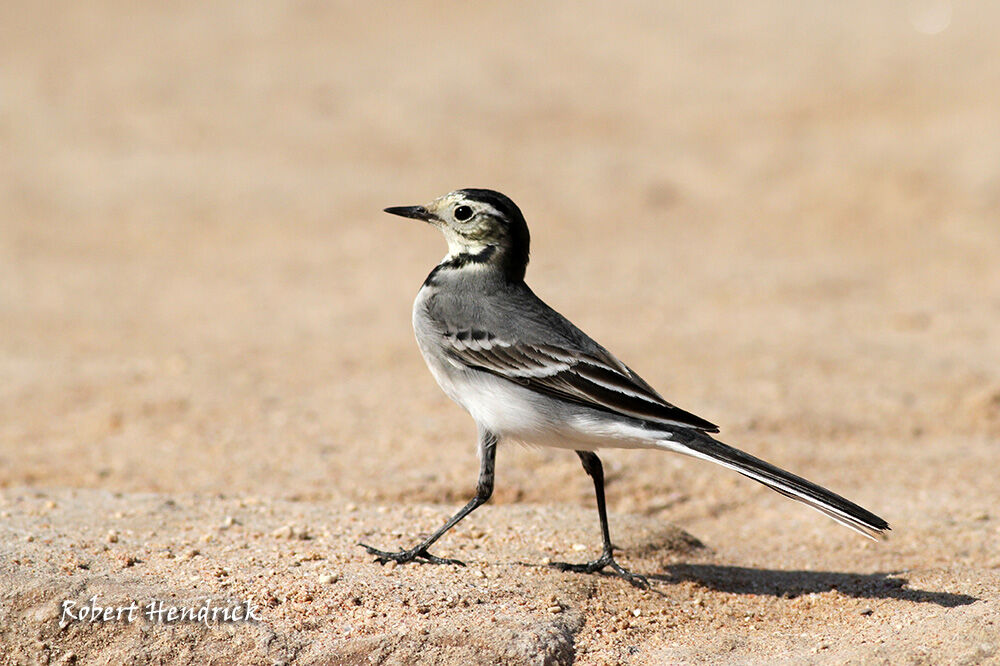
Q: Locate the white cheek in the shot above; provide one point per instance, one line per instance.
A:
(455, 243)
(458, 244)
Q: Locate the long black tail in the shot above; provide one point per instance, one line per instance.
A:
(843, 511)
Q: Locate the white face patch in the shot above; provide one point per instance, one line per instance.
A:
(459, 244)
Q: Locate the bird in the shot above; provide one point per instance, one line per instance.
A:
(526, 374)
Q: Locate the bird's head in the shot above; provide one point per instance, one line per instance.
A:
(479, 225)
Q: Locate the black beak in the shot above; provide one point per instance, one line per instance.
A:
(416, 212)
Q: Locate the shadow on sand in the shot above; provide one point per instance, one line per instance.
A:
(791, 584)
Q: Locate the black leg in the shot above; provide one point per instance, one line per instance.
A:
(487, 455)
(592, 465)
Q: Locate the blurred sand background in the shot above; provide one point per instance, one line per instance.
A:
(785, 216)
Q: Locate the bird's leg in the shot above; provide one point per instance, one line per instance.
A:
(592, 465)
(484, 489)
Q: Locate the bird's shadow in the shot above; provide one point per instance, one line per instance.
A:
(791, 584)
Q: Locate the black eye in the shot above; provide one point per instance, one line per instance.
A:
(462, 213)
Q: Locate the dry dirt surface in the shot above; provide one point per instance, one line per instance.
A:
(785, 216)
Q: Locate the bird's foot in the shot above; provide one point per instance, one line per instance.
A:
(601, 563)
(403, 556)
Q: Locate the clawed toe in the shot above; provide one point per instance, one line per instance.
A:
(382, 556)
(405, 556)
(433, 559)
(586, 567)
(602, 563)
(637, 580)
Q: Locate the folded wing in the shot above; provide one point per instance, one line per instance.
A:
(594, 379)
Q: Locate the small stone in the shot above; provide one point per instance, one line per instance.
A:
(112, 536)
(311, 556)
(327, 578)
(554, 609)
(546, 561)
(867, 611)
(636, 612)
(578, 547)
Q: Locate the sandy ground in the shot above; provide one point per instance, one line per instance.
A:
(785, 216)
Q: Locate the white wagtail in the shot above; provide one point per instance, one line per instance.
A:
(526, 374)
